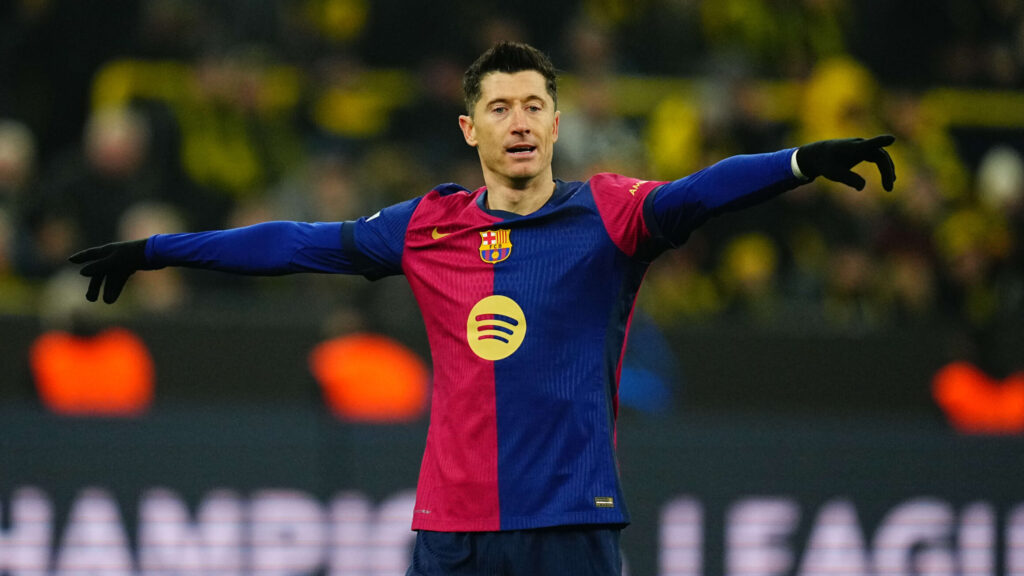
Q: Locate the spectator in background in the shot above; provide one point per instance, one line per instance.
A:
(679, 290)
(972, 244)
(1001, 182)
(17, 168)
(323, 188)
(785, 38)
(17, 185)
(979, 267)
(850, 298)
(417, 126)
(596, 137)
(33, 239)
(984, 44)
(748, 274)
(1001, 190)
(92, 187)
(17, 162)
(238, 125)
(15, 293)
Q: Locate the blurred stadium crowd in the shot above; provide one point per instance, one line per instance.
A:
(129, 117)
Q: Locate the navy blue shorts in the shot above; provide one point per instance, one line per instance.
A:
(558, 551)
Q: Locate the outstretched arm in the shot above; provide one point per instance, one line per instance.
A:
(678, 207)
(368, 246)
(267, 249)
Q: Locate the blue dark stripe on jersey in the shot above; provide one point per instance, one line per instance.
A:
(537, 485)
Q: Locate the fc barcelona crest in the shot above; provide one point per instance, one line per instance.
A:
(495, 245)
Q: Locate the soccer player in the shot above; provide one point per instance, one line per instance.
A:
(526, 287)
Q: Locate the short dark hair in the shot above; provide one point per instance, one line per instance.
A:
(508, 57)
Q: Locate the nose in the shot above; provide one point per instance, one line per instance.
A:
(519, 123)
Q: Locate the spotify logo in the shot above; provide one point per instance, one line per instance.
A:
(495, 327)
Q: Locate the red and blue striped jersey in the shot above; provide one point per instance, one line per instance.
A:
(526, 318)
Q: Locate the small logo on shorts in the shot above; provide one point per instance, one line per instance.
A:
(604, 502)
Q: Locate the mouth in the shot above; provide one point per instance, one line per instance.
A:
(521, 150)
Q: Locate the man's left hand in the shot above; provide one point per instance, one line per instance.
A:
(834, 159)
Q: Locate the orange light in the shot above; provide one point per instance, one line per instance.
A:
(370, 378)
(110, 374)
(977, 404)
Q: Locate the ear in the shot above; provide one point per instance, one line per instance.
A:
(468, 129)
(558, 114)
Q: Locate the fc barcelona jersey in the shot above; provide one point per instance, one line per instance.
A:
(526, 316)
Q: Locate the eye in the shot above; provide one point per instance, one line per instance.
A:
(499, 109)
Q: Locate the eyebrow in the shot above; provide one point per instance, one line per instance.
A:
(504, 99)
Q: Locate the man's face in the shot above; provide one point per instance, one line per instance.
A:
(514, 127)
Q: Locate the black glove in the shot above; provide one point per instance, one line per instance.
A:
(833, 159)
(114, 263)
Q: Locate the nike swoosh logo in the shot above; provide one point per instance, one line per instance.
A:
(437, 235)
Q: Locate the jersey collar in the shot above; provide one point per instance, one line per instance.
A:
(563, 190)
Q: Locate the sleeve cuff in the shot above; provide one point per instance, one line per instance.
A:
(796, 167)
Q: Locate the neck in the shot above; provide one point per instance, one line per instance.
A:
(520, 197)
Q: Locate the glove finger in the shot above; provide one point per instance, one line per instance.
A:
(852, 179)
(88, 254)
(97, 268)
(886, 168)
(878, 141)
(94, 288)
(115, 284)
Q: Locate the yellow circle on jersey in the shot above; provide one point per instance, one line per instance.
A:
(495, 328)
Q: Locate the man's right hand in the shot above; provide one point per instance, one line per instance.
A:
(110, 266)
